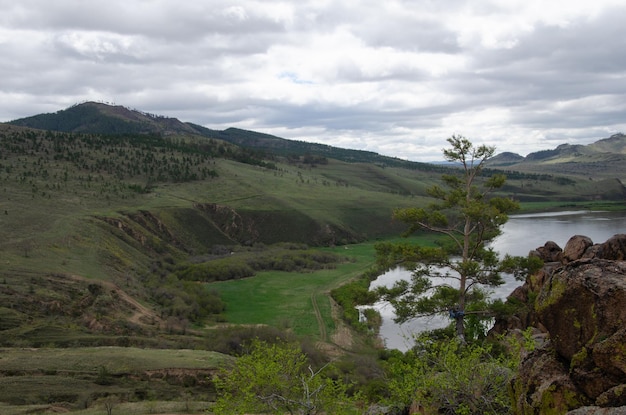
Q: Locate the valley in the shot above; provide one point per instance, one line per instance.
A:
(123, 232)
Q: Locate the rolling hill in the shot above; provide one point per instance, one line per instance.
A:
(99, 118)
(113, 194)
(604, 159)
(112, 220)
(115, 161)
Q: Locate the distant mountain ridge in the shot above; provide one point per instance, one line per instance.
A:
(101, 118)
(605, 158)
(615, 144)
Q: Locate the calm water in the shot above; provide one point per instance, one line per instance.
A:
(520, 235)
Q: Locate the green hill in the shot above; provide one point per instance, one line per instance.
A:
(99, 118)
(163, 186)
(112, 221)
(603, 160)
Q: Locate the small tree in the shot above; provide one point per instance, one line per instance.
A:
(276, 378)
(469, 216)
(109, 404)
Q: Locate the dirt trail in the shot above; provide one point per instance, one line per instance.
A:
(142, 315)
(320, 320)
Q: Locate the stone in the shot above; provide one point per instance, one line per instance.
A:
(583, 302)
(579, 303)
(575, 248)
(542, 386)
(549, 252)
(614, 248)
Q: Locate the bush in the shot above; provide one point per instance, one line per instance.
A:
(276, 378)
(448, 377)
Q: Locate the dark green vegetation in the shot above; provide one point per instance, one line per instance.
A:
(125, 229)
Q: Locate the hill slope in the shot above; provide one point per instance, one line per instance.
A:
(99, 118)
(604, 159)
(152, 212)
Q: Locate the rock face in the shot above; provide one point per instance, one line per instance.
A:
(578, 300)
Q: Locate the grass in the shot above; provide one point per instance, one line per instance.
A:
(527, 207)
(283, 299)
(279, 299)
(115, 359)
(84, 379)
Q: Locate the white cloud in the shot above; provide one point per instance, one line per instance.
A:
(397, 77)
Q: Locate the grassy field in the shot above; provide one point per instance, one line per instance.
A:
(560, 205)
(116, 360)
(289, 300)
(131, 379)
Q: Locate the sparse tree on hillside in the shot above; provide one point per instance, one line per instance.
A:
(467, 213)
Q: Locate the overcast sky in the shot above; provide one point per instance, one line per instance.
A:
(391, 76)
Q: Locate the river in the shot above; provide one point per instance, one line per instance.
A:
(520, 235)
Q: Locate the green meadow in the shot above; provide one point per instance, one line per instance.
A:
(293, 300)
(289, 300)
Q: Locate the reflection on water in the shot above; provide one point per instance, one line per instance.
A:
(523, 233)
(520, 235)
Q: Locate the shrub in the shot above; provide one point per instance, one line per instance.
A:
(277, 378)
(448, 377)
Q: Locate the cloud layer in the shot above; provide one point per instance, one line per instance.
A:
(397, 77)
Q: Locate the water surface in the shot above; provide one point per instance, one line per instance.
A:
(520, 235)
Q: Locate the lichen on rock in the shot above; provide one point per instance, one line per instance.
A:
(579, 300)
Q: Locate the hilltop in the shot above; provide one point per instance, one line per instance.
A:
(100, 118)
(604, 159)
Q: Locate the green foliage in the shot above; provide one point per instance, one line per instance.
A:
(234, 340)
(244, 263)
(354, 293)
(217, 270)
(186, 301)
(521, 267)
(450, 277)
(447, 377)
(276, 378)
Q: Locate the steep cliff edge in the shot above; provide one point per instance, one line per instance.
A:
(577, 303)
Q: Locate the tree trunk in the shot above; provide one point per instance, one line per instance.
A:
(460, 326)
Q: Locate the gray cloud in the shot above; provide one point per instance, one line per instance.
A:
(396, 77)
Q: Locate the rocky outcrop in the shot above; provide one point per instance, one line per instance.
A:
(578, 300)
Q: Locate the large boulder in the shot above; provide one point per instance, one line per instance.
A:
(583, 302)
(543, 386)
(576, 247)
(583, 307)
(579, 300)
(614, 248)
(549, 252)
